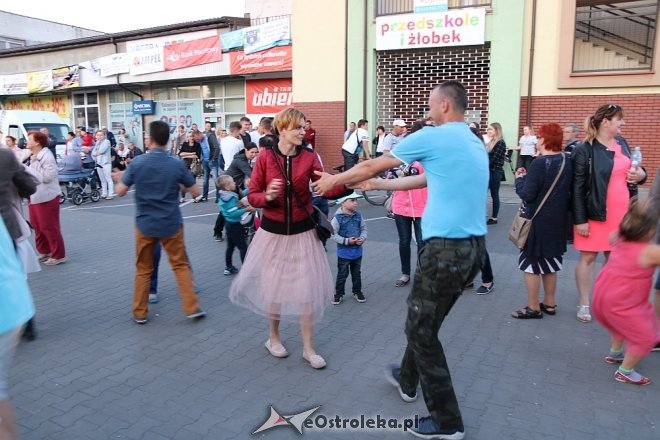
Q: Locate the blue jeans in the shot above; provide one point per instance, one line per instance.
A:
(215, 168)
(494, 188)
(343, 266)
(486, 270)
(235, 239)
(404, 226)
(207, 172)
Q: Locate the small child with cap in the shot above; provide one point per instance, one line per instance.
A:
(350, 232)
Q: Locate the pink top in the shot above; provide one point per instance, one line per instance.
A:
(616, 203)
(411, 202)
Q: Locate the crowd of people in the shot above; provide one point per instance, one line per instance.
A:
(284, 272)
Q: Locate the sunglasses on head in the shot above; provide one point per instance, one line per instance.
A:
(613, 106)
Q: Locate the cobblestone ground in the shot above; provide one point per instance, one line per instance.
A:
(94, 374)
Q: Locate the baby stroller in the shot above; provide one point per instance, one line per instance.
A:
(80, 186)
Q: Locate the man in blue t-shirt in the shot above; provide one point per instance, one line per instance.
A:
(453, 228)
(158, 179)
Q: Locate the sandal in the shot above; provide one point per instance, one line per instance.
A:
(550, 310)
(402, 281)
(527, 313)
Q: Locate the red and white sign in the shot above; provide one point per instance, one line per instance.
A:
(268, 96)
(277, 59)
(192, 53)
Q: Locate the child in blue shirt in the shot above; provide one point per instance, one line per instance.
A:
(350, 232)
(232, 210)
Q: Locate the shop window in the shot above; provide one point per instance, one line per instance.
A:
(235, 88)
(188, 92)
(120, 111)
(164, 93)
(86, 110)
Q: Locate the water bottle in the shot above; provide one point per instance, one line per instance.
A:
(636, 158)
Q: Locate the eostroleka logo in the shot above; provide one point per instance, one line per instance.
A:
(276, 419)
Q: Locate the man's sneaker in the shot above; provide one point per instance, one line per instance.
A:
(140, 320)
(359, 297)
(153, 298)
(217, 238)
(231, 270)
(657, 347)
(337, 299)
(199, 314)
(392, 376)
(427, 428)
(483, 290)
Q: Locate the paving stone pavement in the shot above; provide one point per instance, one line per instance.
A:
(94, 374)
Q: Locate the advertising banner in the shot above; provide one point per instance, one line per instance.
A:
(153, 43)
(268, 96)
(144, 107)
(267, 35)
(459, 27)
(176, 113)
(66, 77)
(16, 84)
(55, 104)
(192, 53)
(147, 61)
(232, 40)
(114, 64)
(272, 60)
(41, 81)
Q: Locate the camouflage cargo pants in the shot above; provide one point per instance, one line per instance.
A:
(444, 266)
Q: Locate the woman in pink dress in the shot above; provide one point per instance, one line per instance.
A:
(603, 182)
(621, 294)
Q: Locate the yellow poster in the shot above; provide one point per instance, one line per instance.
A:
(57, 104)
(39, 82)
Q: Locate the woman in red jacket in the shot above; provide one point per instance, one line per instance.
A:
(286, 272)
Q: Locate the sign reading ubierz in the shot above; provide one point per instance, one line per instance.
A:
(459, 27)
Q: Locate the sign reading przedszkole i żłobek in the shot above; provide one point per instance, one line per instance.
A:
(461, 27)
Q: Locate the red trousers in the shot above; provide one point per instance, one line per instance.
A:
(45, 219)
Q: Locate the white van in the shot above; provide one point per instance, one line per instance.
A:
(18, 123)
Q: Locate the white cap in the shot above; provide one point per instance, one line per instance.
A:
(399, 122)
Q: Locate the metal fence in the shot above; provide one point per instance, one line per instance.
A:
(615, 36)
(390, 7)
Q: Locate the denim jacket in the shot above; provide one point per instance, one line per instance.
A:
(346, 226)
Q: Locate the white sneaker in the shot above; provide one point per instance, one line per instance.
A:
(583, 314)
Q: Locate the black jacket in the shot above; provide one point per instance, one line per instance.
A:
(239, 169)
(592, 168)
(214, 145)
(13, 179)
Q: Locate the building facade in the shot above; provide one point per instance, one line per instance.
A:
(587, 53)
(211, 70)
(18, 31)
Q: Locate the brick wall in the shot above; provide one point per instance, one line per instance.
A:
(404, 79)
(642, 113)
(328, 120)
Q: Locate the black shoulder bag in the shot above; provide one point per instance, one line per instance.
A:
(321, 223)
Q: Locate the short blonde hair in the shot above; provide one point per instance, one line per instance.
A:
(288, 119)
(225, 179)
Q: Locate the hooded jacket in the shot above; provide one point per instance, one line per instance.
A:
(239, 169)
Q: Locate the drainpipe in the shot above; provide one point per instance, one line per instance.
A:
(345, 68)
(364, 62)
(528, 119)
(112, 40)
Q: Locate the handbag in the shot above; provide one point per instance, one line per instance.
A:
(322, 225)
(196, 167)
(521, 225)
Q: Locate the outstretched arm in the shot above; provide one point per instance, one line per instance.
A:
(402, 183)
(360, 172)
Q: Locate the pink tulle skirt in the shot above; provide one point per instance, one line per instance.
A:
(284, 276)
